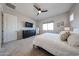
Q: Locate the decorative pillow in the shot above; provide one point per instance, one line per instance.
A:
(64, 35)
(73, 40)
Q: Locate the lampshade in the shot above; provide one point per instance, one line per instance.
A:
(67, 28)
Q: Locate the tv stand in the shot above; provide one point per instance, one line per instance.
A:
(28, 33)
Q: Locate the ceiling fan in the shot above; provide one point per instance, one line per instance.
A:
(39, 10)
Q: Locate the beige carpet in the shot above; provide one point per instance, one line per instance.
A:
(23, 47)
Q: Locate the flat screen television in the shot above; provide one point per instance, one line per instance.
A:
(27, 24)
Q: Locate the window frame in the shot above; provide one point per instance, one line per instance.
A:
(71, 18)
(48, 27)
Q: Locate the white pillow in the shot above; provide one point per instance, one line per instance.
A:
(73, 40)
(64, 35)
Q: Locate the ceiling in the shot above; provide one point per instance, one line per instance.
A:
(53, 9)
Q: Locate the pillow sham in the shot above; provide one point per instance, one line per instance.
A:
(64, 35)
(73, 40)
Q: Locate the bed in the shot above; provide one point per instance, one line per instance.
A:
(51, 43)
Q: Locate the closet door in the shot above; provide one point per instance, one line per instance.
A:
(9, 27)
(0, 28)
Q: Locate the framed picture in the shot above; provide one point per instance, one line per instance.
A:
(60, 24)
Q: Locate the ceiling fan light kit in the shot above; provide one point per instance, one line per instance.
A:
(39, 11)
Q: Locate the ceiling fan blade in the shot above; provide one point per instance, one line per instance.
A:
(44, 10)
(37, 7)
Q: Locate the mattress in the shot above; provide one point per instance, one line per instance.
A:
(52, 43)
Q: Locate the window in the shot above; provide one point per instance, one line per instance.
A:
(72, 17)
(44, 26)
(48, 26)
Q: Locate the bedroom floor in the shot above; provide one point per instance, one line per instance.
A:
(22, 47)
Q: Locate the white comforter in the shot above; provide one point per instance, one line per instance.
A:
(54, 45)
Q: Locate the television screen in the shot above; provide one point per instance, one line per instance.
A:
(27, 24)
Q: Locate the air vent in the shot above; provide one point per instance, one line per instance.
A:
(10, 5)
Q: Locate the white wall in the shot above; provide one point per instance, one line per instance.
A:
(75, 11)
(56, 19)
(20, 20)
(28, 20)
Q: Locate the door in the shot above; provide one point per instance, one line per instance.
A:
(0, 28)
(9, 27)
